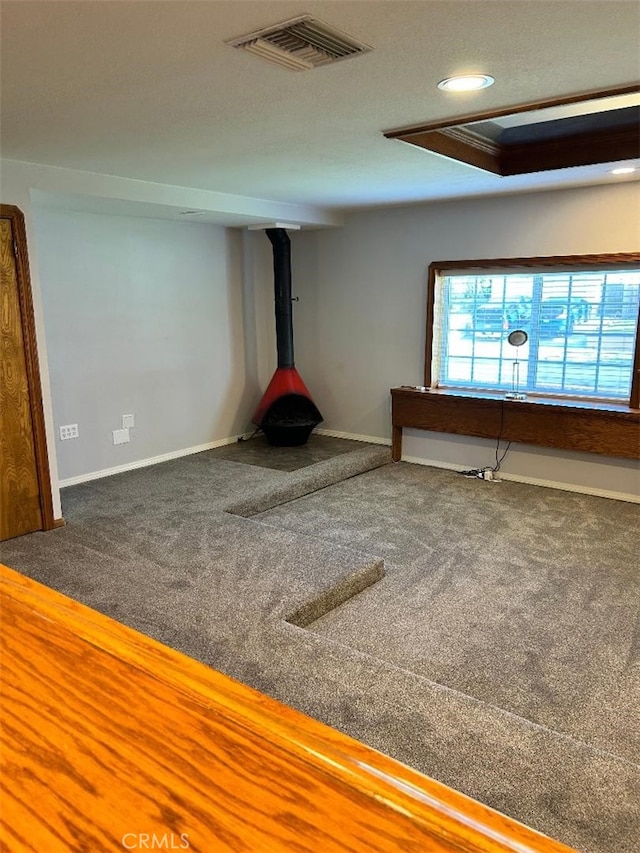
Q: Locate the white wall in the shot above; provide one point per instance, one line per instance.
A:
(28, 185)
(360, 323)
(142, 316)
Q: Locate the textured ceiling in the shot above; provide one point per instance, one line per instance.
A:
(149, 90)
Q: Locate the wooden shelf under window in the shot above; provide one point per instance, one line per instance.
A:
(565, 424)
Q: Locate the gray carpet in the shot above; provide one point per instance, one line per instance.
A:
(519, 695)
(525, 598)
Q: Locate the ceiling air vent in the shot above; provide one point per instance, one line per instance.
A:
(300, 44)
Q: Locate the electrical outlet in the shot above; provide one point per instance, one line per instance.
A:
(120, 436)
(128, 421)
(68, 431)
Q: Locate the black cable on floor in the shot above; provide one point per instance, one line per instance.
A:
(506, 450)
(479, 473)
(500, 461)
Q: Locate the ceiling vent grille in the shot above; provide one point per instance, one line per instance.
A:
(300, 44)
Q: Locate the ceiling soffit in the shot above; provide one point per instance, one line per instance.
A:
(537, 137)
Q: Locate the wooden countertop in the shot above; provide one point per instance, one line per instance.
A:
(110, 738)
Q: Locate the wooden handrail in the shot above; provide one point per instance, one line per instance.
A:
(112, 741)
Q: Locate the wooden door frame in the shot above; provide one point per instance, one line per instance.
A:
(23, 278)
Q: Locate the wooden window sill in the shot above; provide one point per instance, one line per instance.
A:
(604, 428)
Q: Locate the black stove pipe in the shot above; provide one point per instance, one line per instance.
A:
(282, 282)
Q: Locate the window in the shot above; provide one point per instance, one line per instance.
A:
(580, 315)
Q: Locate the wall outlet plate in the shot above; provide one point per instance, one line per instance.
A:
(120, 436)
(68, 431)
(128, 421)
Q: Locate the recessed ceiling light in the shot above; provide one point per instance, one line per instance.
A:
(623, 170)
(466, 83)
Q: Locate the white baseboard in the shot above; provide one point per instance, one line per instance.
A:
(370, 439)
(143, 463)
(533, 481)
(516, 478)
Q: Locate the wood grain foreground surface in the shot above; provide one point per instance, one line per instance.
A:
(111, 741)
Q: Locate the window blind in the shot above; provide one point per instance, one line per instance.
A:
(580, 324)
